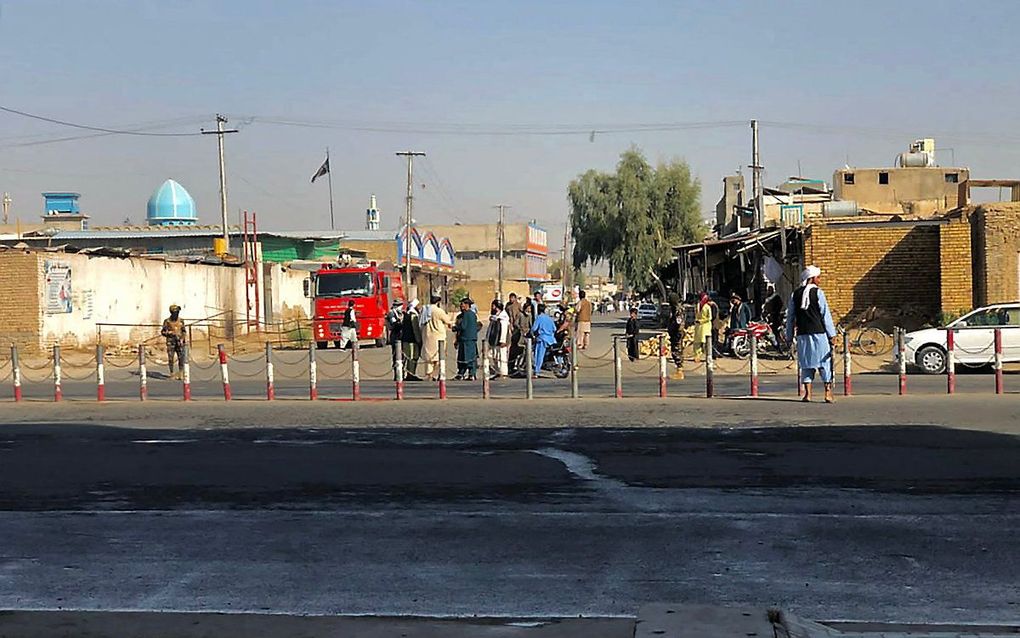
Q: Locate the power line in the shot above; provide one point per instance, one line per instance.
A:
(87, 127)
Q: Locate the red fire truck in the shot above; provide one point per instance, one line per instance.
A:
(372, 289)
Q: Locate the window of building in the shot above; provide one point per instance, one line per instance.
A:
(883, 178)
(952, 178)
(848, 178)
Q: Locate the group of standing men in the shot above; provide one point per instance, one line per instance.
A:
(417, 332)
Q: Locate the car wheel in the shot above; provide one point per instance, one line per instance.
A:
(931, 360)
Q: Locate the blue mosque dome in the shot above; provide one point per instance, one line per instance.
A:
(171, 205)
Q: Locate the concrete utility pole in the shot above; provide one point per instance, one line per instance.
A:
(499, 243)
(7, 207)
(410, 155)
(566, 267)
(219, 133)
(756, 188)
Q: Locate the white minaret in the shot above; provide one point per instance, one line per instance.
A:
(372, 216)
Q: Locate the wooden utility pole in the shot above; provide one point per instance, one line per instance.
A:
(219, 133)
(409, 221)
(499, 247)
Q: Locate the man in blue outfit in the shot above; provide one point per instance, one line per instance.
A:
(544, 331)
(808, 316)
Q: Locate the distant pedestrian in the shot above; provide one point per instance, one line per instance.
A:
(544, 332)
(349, 327)
(584, 310)
(466, 328)
(675, 329)
(520, 341)
(498, 337)
(702, 325)
(633, 332)
(394, 327)
(410, 341)
(173, 332)
(808, 316)
(740, 317)
(772, 312)
(434, 322)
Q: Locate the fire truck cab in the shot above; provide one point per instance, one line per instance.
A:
(372, 288)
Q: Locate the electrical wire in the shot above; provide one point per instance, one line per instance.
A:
(86, 127)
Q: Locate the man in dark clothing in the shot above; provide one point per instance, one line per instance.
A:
(772, 313)
(466, 331)
(394, 327)
(675, 329)
(633, 332)
(410, 340)
(740, 316)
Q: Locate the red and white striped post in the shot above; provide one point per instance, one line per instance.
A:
(901, 349)
(15, 372)
(58, 390)
(754, 364)
(186, 372)
(662, 367)
(848, 380)
(486, 386)
(143, 375)
(270, 377)
(617, 368)
(442, 369)
(709, 367)
(355, 372)
(950, 361)
(313, 373)
(998, 361)
(100, 374)
(221, 352)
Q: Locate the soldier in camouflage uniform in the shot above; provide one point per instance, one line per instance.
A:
(173, 332)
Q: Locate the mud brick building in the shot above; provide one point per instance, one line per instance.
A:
(996, 245)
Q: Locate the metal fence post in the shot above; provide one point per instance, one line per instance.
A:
(662, 366)
(754, 364)
(355, 371)
(313, 373)
(529, 364)
(617, 369)
(15, 372)
(998, 361)
(950, 361)
(143, 374)
(186, 372)
(442, 369)
(486, 385)
(398, 372)
(270, 377)
(575, 391)
(221, 351)
(709, 367)
(58, 390)
(100, 374)
(901, 349)
(848, 384)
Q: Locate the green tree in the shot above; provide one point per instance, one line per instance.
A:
(633, 217)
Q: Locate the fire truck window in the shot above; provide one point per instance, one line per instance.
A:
(344, 285)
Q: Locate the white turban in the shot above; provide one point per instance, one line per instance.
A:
(810, 273)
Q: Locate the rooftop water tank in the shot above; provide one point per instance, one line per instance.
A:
(171, 205)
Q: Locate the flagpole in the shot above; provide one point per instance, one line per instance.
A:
(329, 176)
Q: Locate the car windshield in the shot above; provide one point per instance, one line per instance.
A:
(352, 284)
(989, 317)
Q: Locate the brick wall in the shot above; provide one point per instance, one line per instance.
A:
(20, 312)
(955, 281)
(893, 266)
(996, 235)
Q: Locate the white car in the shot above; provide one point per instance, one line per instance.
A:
(973, 342)
(647, 312)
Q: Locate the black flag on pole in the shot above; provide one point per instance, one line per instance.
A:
(322, 170)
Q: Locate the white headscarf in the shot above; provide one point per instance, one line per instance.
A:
(809, 273)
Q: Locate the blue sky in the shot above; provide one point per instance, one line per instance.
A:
(871, 75)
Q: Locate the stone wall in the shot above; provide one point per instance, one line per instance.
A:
(996, 239)
(894, 266)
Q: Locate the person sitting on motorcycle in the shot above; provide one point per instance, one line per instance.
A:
(772, 313)
(740, 316)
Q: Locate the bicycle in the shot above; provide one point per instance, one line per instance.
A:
(864, 339)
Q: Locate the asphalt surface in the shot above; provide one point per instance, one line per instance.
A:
(907, 524)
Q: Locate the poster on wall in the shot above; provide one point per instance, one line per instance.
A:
(58, 287)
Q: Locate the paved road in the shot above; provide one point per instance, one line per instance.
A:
(893, 524)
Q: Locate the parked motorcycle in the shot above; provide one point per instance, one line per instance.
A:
(768, 343)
